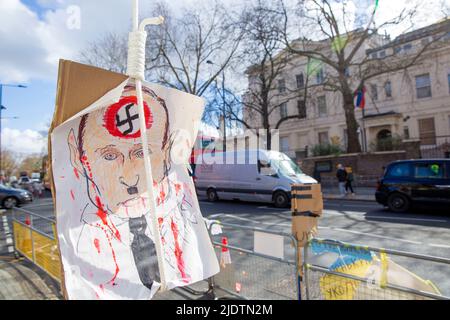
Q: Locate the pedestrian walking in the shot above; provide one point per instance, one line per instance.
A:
(348, 183)
(341, 175)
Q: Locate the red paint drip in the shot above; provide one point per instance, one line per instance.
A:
(101, 213)
(97, 244)
(113, 255)
(75, 171)
(178, 252)
(177, 188)
(72, 195)
(162, 195)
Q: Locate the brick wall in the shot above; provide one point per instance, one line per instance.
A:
(367, 167)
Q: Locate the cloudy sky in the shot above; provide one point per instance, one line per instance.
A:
(35, 34)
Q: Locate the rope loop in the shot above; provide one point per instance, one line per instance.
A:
(136, 54)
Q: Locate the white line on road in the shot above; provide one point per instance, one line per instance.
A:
(10, 249)
(333, 213)
(409, 219)
(329, 228)
(246, 219)
(375, 235)
(439, 245)
(9, 240)
(39, 205)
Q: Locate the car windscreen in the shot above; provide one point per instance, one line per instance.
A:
(286, 167)
(399, 170)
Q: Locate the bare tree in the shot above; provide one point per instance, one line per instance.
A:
(178, 50)
(343, 50)
(268, 93)
(109, 52)
(9, 162)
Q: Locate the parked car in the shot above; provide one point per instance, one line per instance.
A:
(414, 181)
(255, 175)
(10, 197)
(24, 180)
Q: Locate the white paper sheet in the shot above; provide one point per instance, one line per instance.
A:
(269, 244)
(103, 219)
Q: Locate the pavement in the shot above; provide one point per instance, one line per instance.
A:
(423, 230)
(361, 194)
(20, 279)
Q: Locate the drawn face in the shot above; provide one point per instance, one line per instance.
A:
(110, 153)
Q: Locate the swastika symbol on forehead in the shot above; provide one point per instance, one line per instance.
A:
(126, 123)
(122, 118)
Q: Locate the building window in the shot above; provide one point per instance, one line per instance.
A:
(388, 89)
(345, 139)
(427, 131)
(374, 92)
(283, 110)
(319, 76)
(322, 106)
(448, 80)
(284, 141)
(423, 86)
(300, 81)
(281, 86)
(382, 54)
(323, 137)
(397, 50)
(374, 55)
(407, 47)
(301, 109)
(347, 72)
(405, 132)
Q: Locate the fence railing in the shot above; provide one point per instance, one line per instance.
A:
(354, 272)
(252, 272)
(35, 239)
(435, 147)
(332, 270)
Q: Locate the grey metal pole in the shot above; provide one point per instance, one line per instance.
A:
(1, 108)
(223, 111)
(364, 130)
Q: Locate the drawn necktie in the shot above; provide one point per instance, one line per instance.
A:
(144, 252)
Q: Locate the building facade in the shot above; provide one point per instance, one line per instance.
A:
(407, 104)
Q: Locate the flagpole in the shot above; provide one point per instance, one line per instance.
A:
(364, 129)
(136, 70)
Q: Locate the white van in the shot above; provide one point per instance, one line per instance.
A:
(254, 175)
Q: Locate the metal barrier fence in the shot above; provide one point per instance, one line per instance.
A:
(341, 271)
(34, 238)
(353, 272)
(253, 273)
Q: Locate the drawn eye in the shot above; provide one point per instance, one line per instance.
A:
(139, 154)
(110, 156)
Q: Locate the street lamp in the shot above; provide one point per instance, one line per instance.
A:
(1, 109)
(223, 108)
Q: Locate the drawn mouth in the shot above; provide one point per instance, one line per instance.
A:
(132, 202)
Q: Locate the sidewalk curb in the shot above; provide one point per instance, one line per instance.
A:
(337, 197)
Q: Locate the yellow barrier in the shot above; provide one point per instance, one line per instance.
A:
(22, 240)
(40, 249)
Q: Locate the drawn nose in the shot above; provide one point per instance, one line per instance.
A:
(131, 188)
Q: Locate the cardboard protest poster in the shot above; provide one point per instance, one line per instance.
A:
(377, 270)
(102, 207)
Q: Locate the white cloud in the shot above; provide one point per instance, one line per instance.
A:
(32, 44)
(27, 141)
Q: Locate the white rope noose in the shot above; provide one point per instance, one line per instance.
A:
(136, 69)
